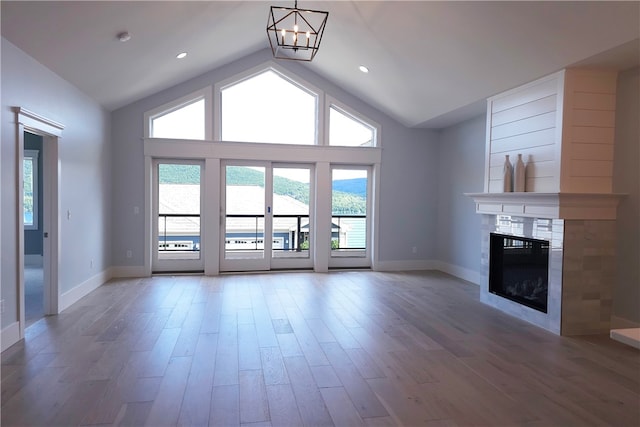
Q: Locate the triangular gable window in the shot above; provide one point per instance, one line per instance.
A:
(347, 131)
(186, 122)
(268, 108)
(186, 118)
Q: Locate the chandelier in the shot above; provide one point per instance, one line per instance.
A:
(295, 33)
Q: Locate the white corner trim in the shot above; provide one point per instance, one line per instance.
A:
(73, 295)
(118, 272)
(459, 272)
(9, 336)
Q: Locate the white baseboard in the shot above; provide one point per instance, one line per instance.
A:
(33, 260)
(128, 271)
(405, 265)
(460, 272)
(454, 270)
(628, 336)
(9, 336)
(74, 295)
(622, 323)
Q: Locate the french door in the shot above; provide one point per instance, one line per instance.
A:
(177, 207)
(266, 218)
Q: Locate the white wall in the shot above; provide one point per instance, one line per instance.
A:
(408, 169)
(626, 180)
(84, 158)
(461, 170)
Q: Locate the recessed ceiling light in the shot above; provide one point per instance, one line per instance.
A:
(181, 55)
(124, 36)
(363, 69)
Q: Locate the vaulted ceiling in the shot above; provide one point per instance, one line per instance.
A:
(432, 63)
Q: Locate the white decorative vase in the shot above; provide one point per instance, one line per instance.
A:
(507, 179)
(519, 175)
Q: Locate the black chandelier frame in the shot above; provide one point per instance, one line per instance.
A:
(300, 39)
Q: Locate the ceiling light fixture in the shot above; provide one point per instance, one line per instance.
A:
(363, 69)
(295, 33)
(124, 36)
(181, 55)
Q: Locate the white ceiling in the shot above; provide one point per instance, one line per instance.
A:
(432, 63)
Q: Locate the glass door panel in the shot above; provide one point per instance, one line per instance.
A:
(245, 219)
(177, 207)
(262, 199)
(350, 225)
(292, 227)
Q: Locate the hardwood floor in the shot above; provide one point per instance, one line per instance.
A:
(291, 349)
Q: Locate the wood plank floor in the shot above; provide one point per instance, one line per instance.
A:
(303, 349)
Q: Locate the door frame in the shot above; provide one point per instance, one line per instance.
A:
(248, 264)
(268, 261)
(51, 132)
(162, 266)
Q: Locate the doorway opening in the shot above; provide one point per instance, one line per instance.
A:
(37, 213)
(33, 219)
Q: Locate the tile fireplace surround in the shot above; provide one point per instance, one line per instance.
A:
(580, 229)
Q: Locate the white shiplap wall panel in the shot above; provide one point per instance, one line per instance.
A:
(528, 141)
(527, 93)
(525, 121)
(592, 151)
(594, 118)
(589, 110)
(524, 125)
(562, 124)
(529, 109)
(592, 135)
(594, 101)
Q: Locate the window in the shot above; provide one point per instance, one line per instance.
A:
(347, 131)
(268, 108)
(349, 223)
(184, 123)
(30, 189)
(186, 118)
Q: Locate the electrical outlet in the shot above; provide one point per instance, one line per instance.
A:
(129, 253)
(1, 306)
(414, 249)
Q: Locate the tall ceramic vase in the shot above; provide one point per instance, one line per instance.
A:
(507, 179)
(519, 175)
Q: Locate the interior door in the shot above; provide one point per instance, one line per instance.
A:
(178, 245)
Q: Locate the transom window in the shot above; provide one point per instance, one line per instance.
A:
(268, 108)
(263, 105)
(187, 122)
(186, 118)
(348, 131)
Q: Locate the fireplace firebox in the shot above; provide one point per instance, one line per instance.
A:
(519, 270)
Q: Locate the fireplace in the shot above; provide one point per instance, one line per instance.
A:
(519, 270)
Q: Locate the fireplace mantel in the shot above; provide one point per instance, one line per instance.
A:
(574, 206)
